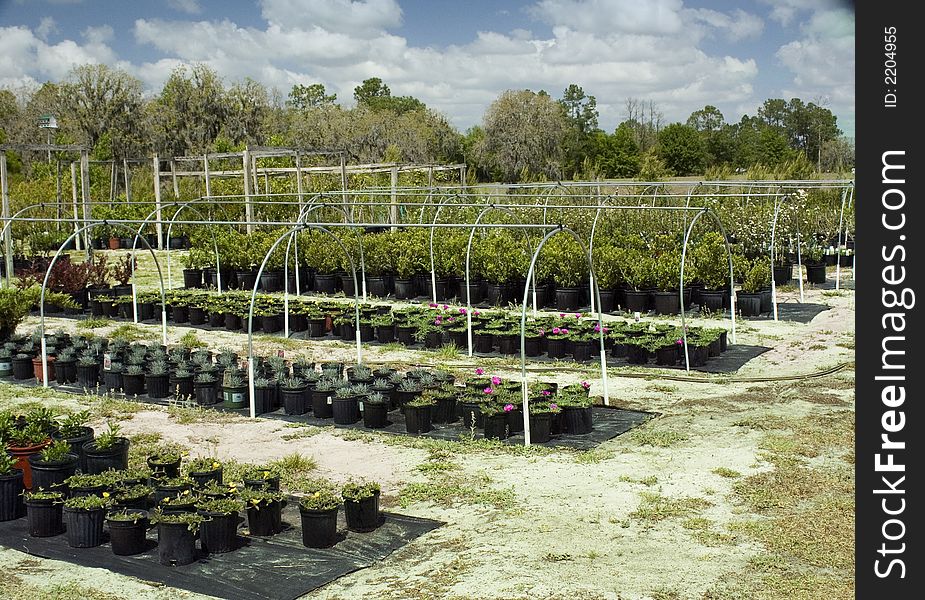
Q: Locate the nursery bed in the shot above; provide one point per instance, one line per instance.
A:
(277, 568)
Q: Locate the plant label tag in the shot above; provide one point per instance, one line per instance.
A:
(281, 353)
(636, 316)
(107, 361)
(361, 407)
(330, 401)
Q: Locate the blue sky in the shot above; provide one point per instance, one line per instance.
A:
(458, 56)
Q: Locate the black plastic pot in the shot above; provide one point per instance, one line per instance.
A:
(158, 385)
(556, 347)
(11, 489)
(471, 414)
(363, 515)
(133, 385)
(265, 519)
(84, 526)
(405, 334)
(320, 407)
(204, 478)
(176, 544)
(197, 315)
(100, 459)
(405, 289)
(375, 415)
(583, 350)
(232, 322)
(192, 278)
(218, 533)
(495, 293)
(164, 469)
(475, 291)
(205, 392)
(568, 298)
(50, 476)
(182, 387)
(324, 283)
(540, 427)
(483, 343)
(265, 400)
(636, 301)
(270, 482)
(377, 286)
(271, 281)
(577, 420)
(88, 376)
(22, 368)
(749, 304)
(179, 314)
(445, 410)
(711, 300)
(293, 400)
(418, 419)
(666, 303)
(345, 410)
(129, 537)
(608, 301)
(45, 517)
(269, 323)
(783, 274)
(385, 334)
(66, 371)
(666, 355)
(815, 273)
(319, 527)
(496, 427)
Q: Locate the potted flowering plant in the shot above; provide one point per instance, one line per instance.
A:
(44, 512)
(361, 505)
(11, 489)
(318, 511)
(218, 531)
(418, 412)
(52, 466)
(176, 536)
(204, 470)
(127, 529)
(264, 511)
(84, 517)
(108, 451)
(541, 417)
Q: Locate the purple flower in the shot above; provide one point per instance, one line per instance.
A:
(542, 332)
(496, 380)
(445, 307)
(450, 319)
(562, 315)
(556, 331)
(488, 390)
(508, 407)
(546, 393)
(597, 328)
(586, 385)
(554, 407)
(577, 315)
(432, 305)
(480, 371)
(563, 331)
(680, 342)
(462, 311)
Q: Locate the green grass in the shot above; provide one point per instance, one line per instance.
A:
(449, 489)
(593, 456)
(130, 332)
(191, 340)
(726, 472)
(654, 507)
(659, 438)
(93, 323)
(447, 351)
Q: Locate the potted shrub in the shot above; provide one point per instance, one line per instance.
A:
(133, 380)
(710, 265)
(218, 531)
(11, 489)
(292, 391)
(88, 370)
(24, 442)
(157, 379)
(541, 417)
(577, 415)
(52, 466)
(176, 536)
(44, 512)
(127, 531)
(264, 511)
(361, 505)
(346, 407)
(84, 517)
(408, 389)
(265, 389)
(375, 409)
(666, 275)
(234, 390)
(204, 470)
(322, 398)
(318, 511)
(122, 272)
(22, 366)
(193, 263)
(756, 278)
(131, 496)
(108, 451)
(164, 463)
(204, 389)
(813, 255)
(73, 429)
(262, 478)
(418, 412)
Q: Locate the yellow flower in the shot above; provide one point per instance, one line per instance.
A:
(105, 494)
(215, 464)
(316, 494)
(185, 492)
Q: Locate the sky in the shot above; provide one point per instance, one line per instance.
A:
(458, 56)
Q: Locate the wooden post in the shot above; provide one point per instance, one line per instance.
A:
(173, 174)
(298, 179)
(77, 241)
(8, 238)
(205, 169)
(248, 209)
(85, 192)
(128, 180)
(157, 202)
(394, 199)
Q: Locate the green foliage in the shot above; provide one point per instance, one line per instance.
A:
(563, 260)
(55, 452)
(709, 260)
(110, 437)
(89, 502)
(320, 495)
(354, 491)
(757, 277)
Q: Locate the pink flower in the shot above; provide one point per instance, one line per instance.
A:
(546, 393)
(445, 307)
(542, 332)
(597, 328)
(462, 311)
(577, 315)
(432, 305)
(553, 407)
(437, 321)
(680, 342)
(488, 390)
(508, 407)
(563, 331)
(480, 371)
(556, 331)
(585, 385)
(450, 319)
(476, 313)
(562, 315)
(496, 380)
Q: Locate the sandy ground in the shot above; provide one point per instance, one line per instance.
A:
(554, 524)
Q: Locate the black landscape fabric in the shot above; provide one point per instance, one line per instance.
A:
(273, 568)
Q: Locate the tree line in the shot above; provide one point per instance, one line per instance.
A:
(524, 135)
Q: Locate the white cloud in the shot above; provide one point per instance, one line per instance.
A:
(97, 35)
(47, 26)
(658, 17)
(737, 26)
(784, 11)
(190, 7)
(32, 59)
(360, 17)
